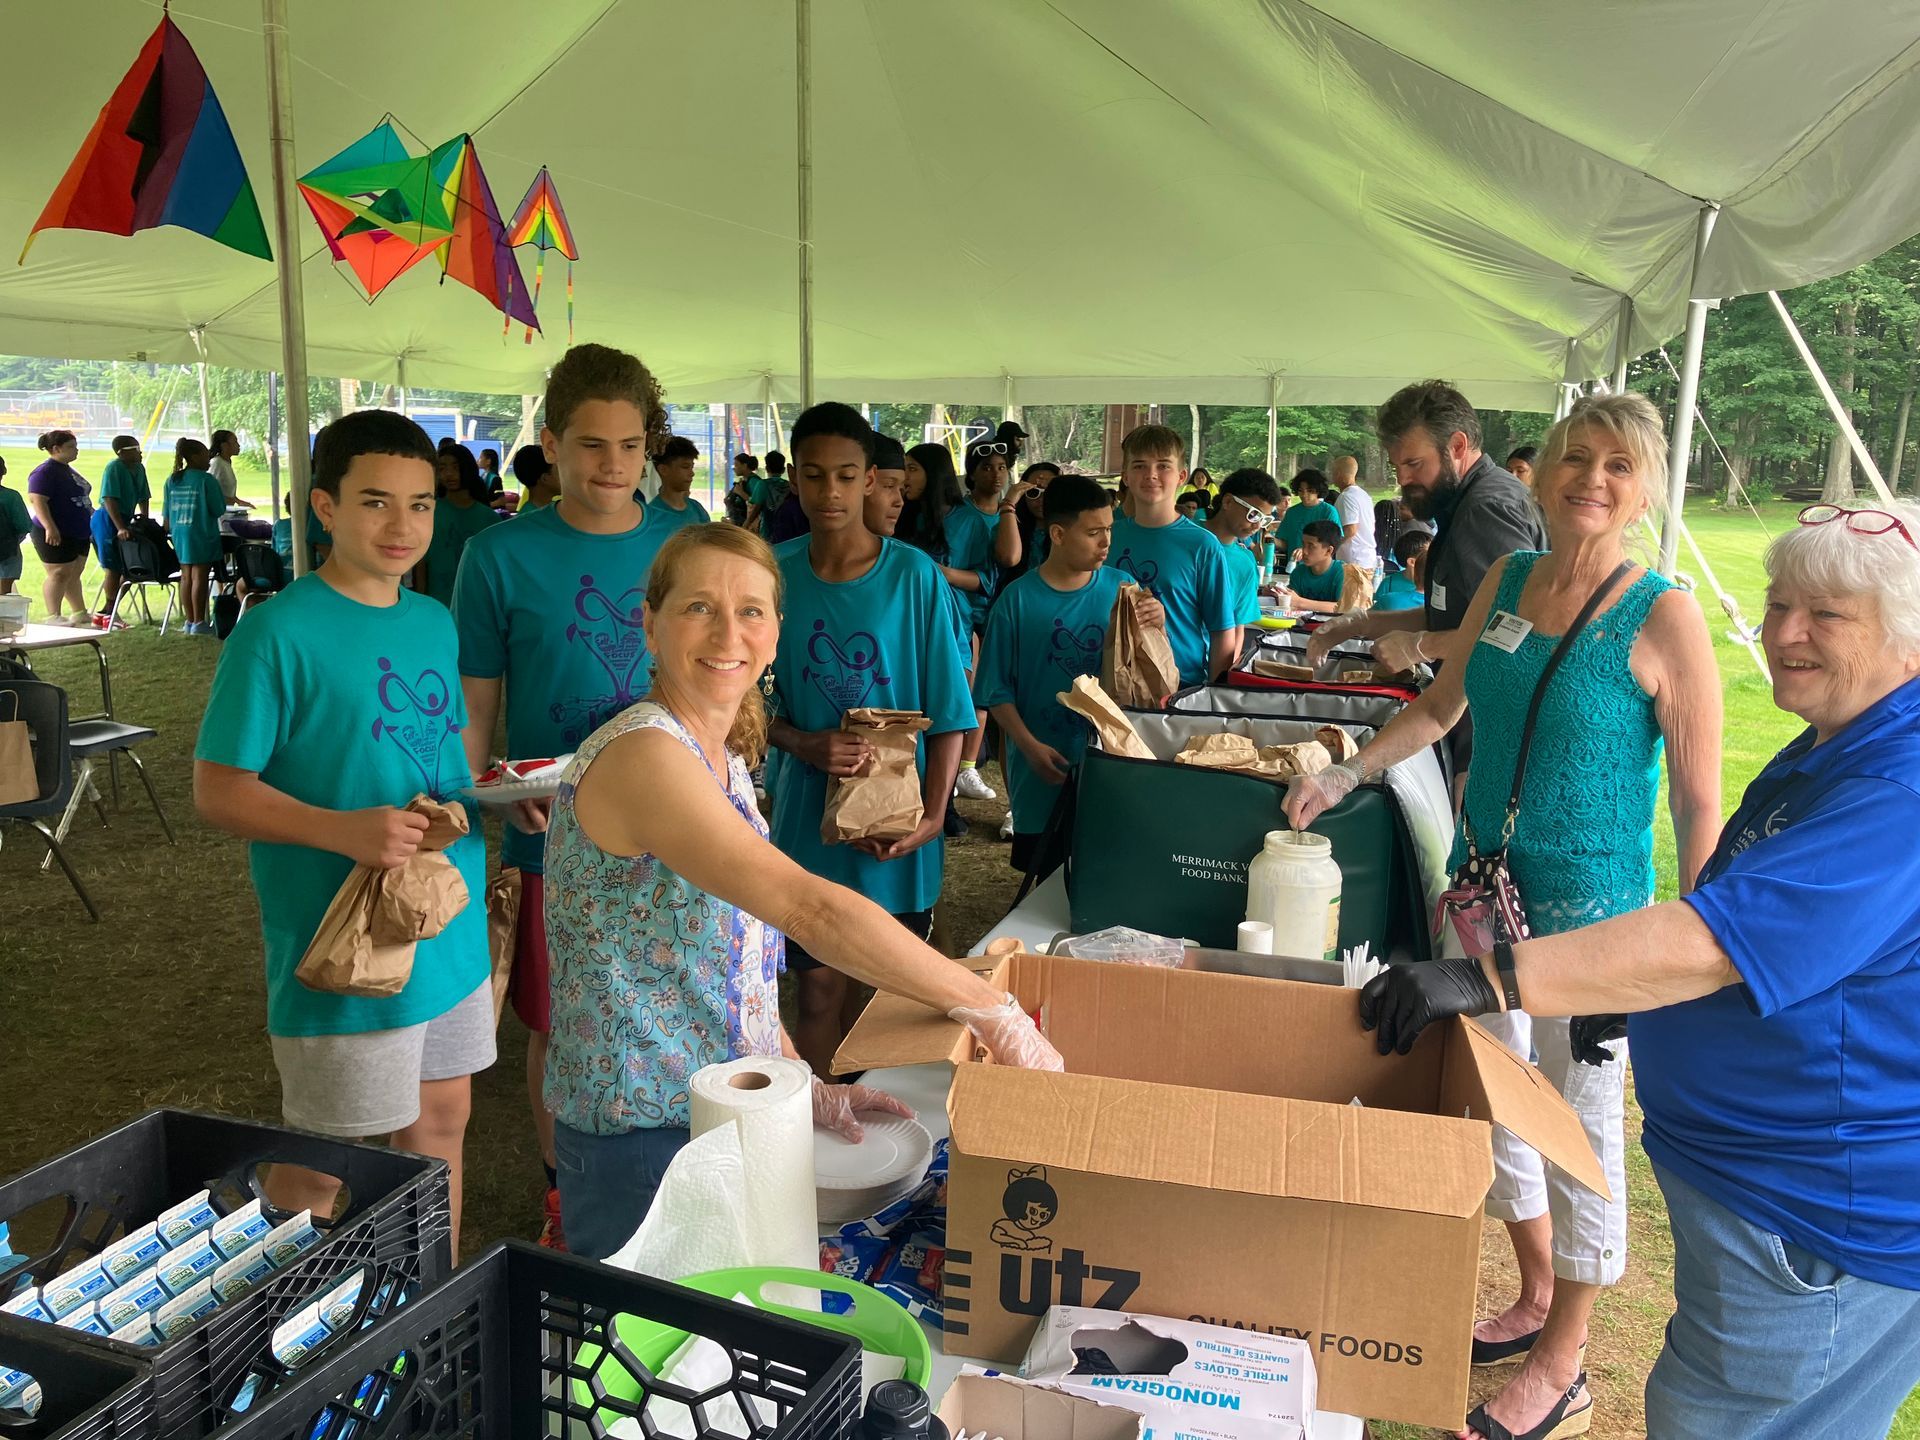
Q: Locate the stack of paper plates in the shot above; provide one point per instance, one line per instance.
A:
(852, 1182)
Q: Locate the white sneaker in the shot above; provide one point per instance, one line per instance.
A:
(973, 787)
(1006, 827)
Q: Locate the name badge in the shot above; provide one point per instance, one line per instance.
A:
(1437, 597)
(1505, 632)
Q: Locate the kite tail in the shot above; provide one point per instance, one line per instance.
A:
(539, 274)
(569, 303)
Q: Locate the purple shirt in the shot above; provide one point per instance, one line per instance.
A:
(67, 496)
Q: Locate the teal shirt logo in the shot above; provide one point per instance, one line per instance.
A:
(418, 719)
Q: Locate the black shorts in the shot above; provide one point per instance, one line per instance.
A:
(69, 549)
(920, 922)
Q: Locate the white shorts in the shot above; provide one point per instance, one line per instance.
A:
(359, 1086)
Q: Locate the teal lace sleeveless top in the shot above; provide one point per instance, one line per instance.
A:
(1582, 848)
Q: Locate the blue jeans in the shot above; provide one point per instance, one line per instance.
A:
(1770, 1341)
(607, 1183)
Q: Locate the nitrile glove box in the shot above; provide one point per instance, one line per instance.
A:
(1188, 1381)
(1202, 1158)
(1004, 1408)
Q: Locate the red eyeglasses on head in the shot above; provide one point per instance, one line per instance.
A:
(1860, 522)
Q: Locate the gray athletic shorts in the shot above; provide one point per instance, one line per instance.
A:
(359, 1086)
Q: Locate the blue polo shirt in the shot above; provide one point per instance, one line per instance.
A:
(1794, 1098)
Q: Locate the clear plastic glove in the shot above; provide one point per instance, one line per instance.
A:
(1403, 1000)
(1328, 636)
(1010, 1035)
(1588, 1036)
(1398, 650)
(1311, 796)
(835, 1107)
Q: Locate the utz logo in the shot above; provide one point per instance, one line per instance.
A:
(1030, 1285)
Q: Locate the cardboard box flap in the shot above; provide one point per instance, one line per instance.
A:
(894, 1031)
(1486, 1081)
(1219, 1140)
(1002, 1406)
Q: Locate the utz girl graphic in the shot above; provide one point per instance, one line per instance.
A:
(417, 719)
(1029, 1205)
(843, 671)
(608, 626)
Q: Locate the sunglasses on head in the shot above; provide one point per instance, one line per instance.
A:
(993, 447)
(1858, 522)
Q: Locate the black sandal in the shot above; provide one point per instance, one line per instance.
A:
(1560, 1423)
(1500, 1352)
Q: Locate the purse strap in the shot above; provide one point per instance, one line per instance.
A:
(1594, 601)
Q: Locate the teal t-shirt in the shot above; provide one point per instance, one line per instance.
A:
(453, 527)
(283, 541)
(346, 706)
(694, 514)
(1310, 586)
(1243, 576)
(970, 547)
(556, 611)
(126, 485)
(1397, 592)
(1038, 639)
(884, 640)
(1183, 567)
(1296, 520)
(317, 536)
(760, 490)
(194, 507)
(15, 524)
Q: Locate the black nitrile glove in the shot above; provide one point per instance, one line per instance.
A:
(1403, 1000)
(1589, 1034)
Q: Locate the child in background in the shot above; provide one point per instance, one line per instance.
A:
(1318, 579)
(1405, 588)
(867, 624)
(1310, 504)
(124, 494)
(888, 498)
(460, 512)
(283, 535)
(548, 608)
(1243, 512)
(490, 475)
(1047, 628)
(1180, 565)
(15, 526)
(675, 504)
(330, 710)
(194, 505)
(539, 486)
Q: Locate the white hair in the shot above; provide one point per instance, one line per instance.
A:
(1831, 559)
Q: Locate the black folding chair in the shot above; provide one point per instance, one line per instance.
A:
(44, 709)
(147, 560)
(262, 568)
(89, 740)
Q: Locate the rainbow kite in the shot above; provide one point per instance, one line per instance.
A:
(541, 221)
(160, 153)
(478, 253)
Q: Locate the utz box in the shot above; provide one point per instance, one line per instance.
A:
(1202, 1159)
(1009, 1409)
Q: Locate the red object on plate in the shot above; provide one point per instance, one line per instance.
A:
(514, 770)
(524, 768)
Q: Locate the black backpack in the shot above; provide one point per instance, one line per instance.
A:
(147, 554)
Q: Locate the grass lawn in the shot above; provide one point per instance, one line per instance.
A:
(162, 1002)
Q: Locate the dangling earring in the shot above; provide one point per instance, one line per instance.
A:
(766, 682)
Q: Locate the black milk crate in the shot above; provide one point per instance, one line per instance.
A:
(394, 1226)
(85, 1394)
(516, 1345)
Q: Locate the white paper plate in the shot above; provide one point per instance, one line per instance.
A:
(539, 786)
(854, 1181)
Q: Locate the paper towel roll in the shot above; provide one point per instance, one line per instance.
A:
(769, 1099)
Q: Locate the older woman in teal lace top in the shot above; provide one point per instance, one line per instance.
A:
(1638, 679)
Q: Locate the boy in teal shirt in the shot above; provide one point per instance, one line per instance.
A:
(1244, 509)
(1046, 629)
(549, 615)
(1175, 561)
(1310, 504)
(331, 709)
(866, 623)
(194, 504)
(15, 525)
(124, 494)
(675, 505)
(1317, 581)
(1404, 589)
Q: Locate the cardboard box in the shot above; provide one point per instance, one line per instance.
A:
(1203, 1381)
(1202, 1160)
(1008, 1409)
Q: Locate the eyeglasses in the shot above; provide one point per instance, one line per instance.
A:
(1256, 517)
(1860, 522)
(991, 447)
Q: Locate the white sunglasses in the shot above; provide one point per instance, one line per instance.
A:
(1256, 516)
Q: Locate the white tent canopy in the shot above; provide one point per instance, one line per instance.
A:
(1026, 201)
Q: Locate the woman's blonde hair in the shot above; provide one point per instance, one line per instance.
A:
(1632, 420)
(748, 737)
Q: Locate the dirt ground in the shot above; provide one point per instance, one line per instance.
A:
(161, 1003)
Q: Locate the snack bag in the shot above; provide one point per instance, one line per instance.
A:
(883, 801)
(1136, 662)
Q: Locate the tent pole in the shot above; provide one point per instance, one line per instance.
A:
(206, 411)
(1680, 445)
(1621, 343)
(400, 370)
(286, 254)
(1273, 423)
(1834, 407)
(273, 439)
(803, 90)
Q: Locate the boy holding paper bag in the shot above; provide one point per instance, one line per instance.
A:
(868, 625)
(331, 709)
